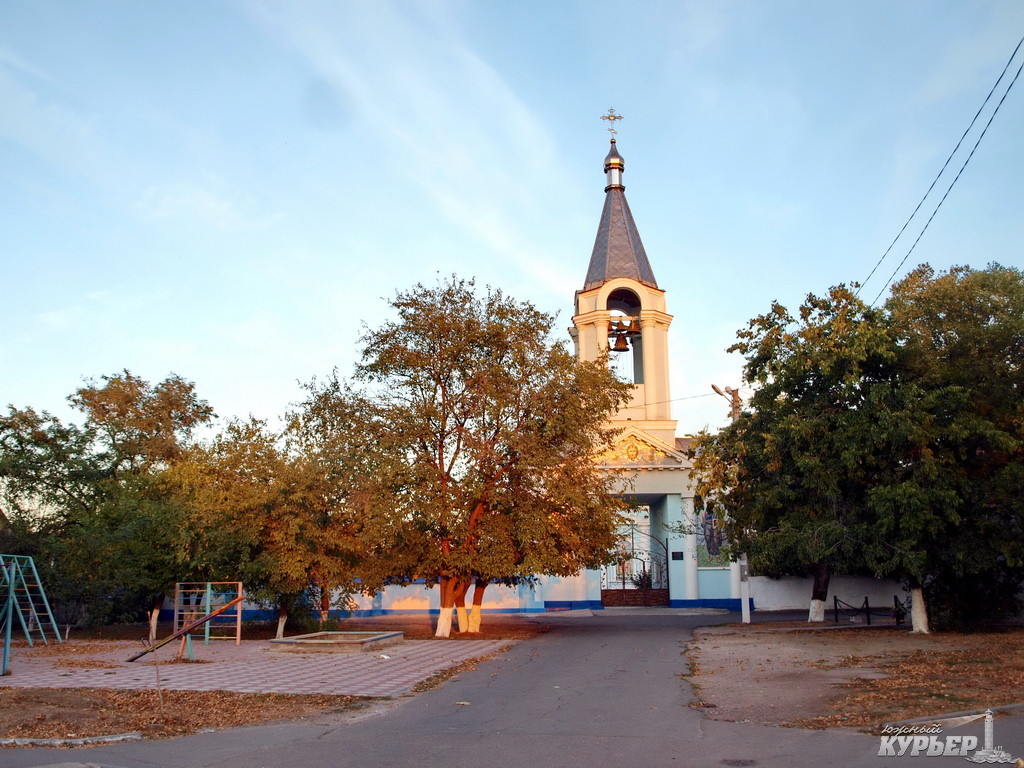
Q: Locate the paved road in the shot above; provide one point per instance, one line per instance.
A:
(599, 692)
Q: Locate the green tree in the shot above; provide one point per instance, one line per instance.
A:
(484, 434)
(960, 342)
(884, 440)
(787, 475)
(89, 501)
(266, 512)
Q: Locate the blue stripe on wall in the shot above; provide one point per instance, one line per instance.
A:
(729, 604)
(572, 605)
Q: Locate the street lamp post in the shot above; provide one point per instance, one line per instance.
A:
(733, 396)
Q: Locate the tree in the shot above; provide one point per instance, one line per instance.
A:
(884, 440)
(484, 434)
(786, 476)
(49, 473)
(960, 340)
(265, 511)
(138, 426)
(89, 501)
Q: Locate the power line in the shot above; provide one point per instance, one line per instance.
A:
(694, 397)
(943, 169)
(924, 229)
(677, 399)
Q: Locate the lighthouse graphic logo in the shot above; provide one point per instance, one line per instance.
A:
(990, 753)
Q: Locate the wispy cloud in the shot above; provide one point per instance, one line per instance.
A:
(968, 64)
(452, 124)
(97, 304)
(199, 202)
(11, 60)
(55, 133)
(60, 319)
(78, 144)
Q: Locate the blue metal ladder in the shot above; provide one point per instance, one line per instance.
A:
(25, 596)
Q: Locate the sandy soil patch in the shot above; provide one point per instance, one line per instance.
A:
(851, 677)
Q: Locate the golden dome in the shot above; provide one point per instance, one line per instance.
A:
(614, 159)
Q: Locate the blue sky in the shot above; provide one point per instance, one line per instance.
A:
(229, 190)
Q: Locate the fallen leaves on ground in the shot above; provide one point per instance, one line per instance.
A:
(45, 713)
(86, 663)
(49, 713)
(978, 671)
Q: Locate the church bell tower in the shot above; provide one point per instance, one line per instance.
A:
(621, 313)
(621, 310)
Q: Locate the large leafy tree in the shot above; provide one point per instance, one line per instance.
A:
(960, 342)
(788, 472)
(89, 499)
(883, 440)
(484, 433)
(265, 509)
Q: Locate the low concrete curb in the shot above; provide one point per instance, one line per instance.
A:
(85, 741)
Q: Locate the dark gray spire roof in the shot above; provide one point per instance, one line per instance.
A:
(618, 250)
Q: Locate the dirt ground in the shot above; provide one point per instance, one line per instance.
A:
(856, 677)
(69, 713)
(770, 674)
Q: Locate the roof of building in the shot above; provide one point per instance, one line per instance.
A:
(618, 250)
(684, 444)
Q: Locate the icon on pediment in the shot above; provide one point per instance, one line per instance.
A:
(633, 450)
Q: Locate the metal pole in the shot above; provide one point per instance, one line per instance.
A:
(668, 572)
(209, 609)
(188, 628)
(8, 618)
(733, 396)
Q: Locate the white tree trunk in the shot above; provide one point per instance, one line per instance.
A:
(154, 619)
(282, 617)
(817, 611)
(462, 613)
(444, 623)
(918, 611)
(475, 615)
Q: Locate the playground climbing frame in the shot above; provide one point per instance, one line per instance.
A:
(195, 599)
(25, 599)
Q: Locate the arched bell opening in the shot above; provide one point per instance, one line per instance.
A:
(625, 340)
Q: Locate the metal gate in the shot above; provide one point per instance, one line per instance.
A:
(639, 575)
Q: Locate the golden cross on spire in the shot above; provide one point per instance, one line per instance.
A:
(611, 117)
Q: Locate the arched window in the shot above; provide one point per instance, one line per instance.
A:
(624, 339)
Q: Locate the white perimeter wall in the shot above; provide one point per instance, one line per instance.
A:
(792, 592)
(788, 593)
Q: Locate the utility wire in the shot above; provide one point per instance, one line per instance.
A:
(962, 167)
(677, 399)
(943, 169)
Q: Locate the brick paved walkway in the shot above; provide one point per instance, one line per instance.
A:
(249, 668)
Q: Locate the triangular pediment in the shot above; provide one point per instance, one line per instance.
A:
(635, 448)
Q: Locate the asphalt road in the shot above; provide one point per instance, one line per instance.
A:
(602, 692)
